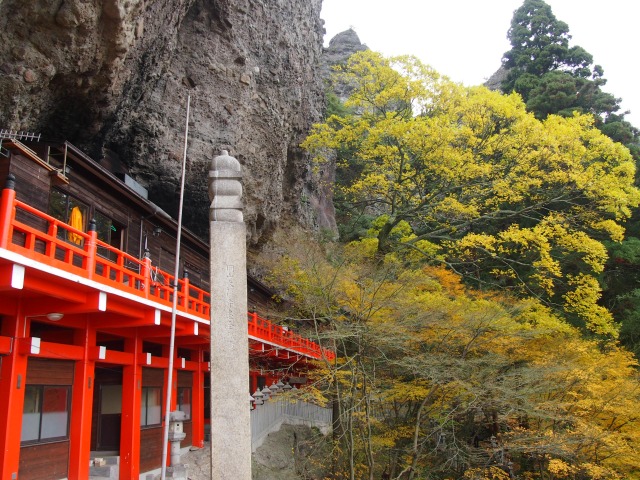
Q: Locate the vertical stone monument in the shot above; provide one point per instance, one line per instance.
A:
(230, 417)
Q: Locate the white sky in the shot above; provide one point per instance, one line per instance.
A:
(465, 39)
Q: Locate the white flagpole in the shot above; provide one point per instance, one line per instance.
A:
(167, 415)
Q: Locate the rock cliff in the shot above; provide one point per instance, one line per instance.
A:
(340, 48)
(112, 76)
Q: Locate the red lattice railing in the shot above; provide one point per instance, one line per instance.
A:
(43, 238)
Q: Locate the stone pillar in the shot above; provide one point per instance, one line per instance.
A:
(230, 416)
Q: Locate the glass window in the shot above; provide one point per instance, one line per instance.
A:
(151, 406)
(184, 401)
(109, 232)
(110, 399)
(55, 414)
(45, 413)
(70, 211)
(31, 414)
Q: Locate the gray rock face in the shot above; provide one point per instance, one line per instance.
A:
(340, 48)
(494, 82)
(112, 76)
(292, 453)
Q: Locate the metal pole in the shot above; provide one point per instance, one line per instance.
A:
(167, 415)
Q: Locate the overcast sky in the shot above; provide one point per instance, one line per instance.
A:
(465, 39)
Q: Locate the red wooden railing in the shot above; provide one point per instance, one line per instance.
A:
(48, 240)
(285, 338)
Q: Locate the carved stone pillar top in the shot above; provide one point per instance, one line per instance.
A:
(225, 189)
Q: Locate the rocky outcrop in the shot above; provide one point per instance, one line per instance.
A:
(292, 453)
(340, 48)
(112, 76)
(494, 82)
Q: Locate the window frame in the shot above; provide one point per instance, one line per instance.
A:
(115, 233)
(179, 402)
(40, 405)
(144, 407)
(68, 203)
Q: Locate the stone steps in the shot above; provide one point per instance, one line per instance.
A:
(105, 468)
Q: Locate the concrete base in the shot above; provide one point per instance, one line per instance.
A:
(177, 472)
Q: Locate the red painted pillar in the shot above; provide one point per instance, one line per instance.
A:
(183, 293)
(6, 212)
(253, 324)
(91, 247)
(81, 406)
(146, 273)
(13, 376)
(197, 402)
(130, 423)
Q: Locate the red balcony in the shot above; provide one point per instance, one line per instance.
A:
(41, 238)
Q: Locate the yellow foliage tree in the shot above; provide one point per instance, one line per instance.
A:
(436, 380)
(479, 183)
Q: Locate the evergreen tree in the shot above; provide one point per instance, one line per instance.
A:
(540, 44)
(551, 76)
(554, 78)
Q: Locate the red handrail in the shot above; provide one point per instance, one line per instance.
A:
(281, 336)
(96, 260)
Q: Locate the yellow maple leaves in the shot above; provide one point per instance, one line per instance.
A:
(496, 194)
(429, 370)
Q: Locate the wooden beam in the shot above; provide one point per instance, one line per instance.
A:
(107, 321)
(11, 277)
(5, 345)
(35, 347)
(56, 289)
(82, 401)
(130, 417)
(9, 304)
(104, 355)
(91, 303)
(192, 341)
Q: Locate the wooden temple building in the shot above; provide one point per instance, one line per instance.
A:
(85, 311)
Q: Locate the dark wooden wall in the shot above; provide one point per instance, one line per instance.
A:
(33, 186)
(4, 170)
(32, 182)
(44, 462)
(150, 448)
(43, 371)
